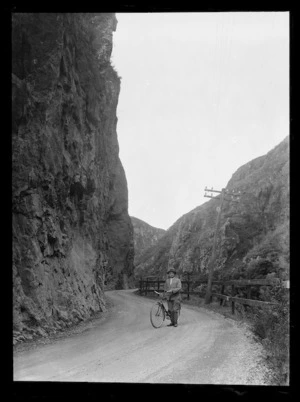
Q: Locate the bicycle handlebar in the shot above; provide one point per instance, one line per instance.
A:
(159, 294)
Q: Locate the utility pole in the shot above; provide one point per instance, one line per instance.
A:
(235, 196)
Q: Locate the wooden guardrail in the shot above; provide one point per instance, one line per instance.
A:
(150, 284)
(248, 284)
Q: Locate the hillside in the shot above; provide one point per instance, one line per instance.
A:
(254, 236)
(72, 234)
(144, 236)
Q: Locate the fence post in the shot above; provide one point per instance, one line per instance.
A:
(222, 292)
(188, 288)
(146, 286)
(158, 284)
(141, 285)
(232, 302)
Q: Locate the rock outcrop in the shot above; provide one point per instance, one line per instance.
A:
(72, 235)
(144, 237)
(253, 241)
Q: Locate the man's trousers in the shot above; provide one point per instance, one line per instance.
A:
(174, 307)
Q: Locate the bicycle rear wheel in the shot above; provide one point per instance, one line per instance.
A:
(157, 315)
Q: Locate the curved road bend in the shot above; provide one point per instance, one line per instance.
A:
(205, 348)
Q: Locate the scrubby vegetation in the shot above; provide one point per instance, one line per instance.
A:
(271, 325)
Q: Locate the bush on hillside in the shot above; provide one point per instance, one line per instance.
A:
(259, 268)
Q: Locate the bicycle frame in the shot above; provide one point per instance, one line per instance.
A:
(159, 312)
(162, 304)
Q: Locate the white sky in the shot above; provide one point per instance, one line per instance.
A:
(201, 95)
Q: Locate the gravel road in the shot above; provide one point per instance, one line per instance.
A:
(205, 348)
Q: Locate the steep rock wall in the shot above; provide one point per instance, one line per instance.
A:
(72, 235)
(254, 235)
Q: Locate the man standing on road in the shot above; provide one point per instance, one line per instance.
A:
(172, 290)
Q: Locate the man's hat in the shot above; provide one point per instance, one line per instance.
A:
(171, 270)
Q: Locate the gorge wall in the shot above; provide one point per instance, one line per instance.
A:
(253, 241)
(144, 236)
(72, 235)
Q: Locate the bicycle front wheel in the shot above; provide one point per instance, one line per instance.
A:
(157, 315)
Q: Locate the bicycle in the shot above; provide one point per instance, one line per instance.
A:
(159, 312)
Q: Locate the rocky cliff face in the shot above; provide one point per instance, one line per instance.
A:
(145, 236)
(71, 229)
(253, 241)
